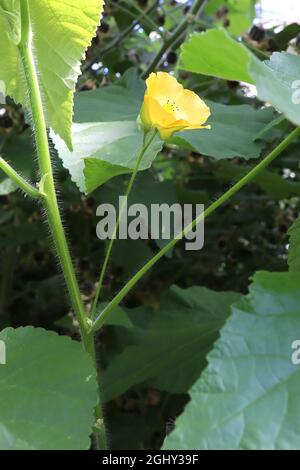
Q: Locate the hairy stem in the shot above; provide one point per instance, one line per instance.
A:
(250, 176)
(50, 198)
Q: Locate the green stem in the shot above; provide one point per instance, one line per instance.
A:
(144, 149)
(19, 180)
(120, 37)
(250, 176)
(195, 11)
(50, 198)
(143, 15)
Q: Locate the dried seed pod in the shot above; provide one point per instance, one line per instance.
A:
(172, 58)
(257, 33)
(221, 12)
(104, 27)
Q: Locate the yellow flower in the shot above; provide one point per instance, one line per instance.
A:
(169, 108)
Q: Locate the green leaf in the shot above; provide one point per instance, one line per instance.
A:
(274, 81)
(146, 191)
(216, 54)
(18, 235)
(104, 150)
(9, 11)
(116, 104)
(61, 33)
(241, 13)
(120, 102)
(131, 80)
(47, 393)
(294, 247)
(131, 255)
(241, 121)
(18, 150)
(272, 183)
(117, 318)
(286, 34)
(247, 398)
(169, 350)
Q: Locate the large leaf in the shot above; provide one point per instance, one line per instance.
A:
(47, 393)
(274, 80)
(18, 235)
(232, 133)
(285, 35)
(61, 33)
(216, 53)
(169, 350)
(117, 104)
(104, 150)
(247, 398)
(18, 150)
(146, 191)
(121, 102)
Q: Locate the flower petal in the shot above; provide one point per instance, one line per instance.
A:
(158, 115)
(170, 108)
(192, 108)
(163, 87)
(190, 128)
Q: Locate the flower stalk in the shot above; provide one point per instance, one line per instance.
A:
(50, 199)
(28, 188)
(146, 144)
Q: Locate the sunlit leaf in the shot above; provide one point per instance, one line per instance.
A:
(61, 33)
(104, 150)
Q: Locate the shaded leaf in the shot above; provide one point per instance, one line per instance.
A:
(232, 133)
(18, 150)
(169, 350)
(43, 407)
(247, 397)
(111, 103)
